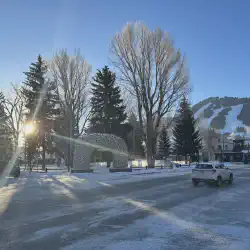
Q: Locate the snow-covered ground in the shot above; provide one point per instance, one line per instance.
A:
(100, 177)
(217, 221)
(51, 212)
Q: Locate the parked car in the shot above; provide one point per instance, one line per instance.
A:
(211, 172)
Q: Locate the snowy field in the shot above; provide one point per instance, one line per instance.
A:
(138, 210)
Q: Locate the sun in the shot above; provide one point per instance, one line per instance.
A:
(29, 128)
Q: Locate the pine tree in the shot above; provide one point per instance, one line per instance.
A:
(41, 98)
(108, 112)
(187, 140)
(164, 144)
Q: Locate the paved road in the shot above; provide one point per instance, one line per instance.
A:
(164, 213)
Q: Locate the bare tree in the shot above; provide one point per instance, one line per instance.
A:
(153, 72)
(14, 107)
(210, 139)
(71, 75)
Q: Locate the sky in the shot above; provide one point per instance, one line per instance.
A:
(214, 35)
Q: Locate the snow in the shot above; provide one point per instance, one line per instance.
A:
(201, 220)
(216, 220)
(169, 229)
(100, 177)
(206, 122)
(64, 183)
(216, 112)
(153, 226)
(199, 112)
(231, 119)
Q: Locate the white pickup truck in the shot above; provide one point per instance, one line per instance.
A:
(211, 172)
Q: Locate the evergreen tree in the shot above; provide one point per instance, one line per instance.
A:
(187, 140)
(40, 96)
(163, 144)
(107, 110)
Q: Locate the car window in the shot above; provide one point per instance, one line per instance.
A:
(219, 166)
(204, 166)
(209, 166)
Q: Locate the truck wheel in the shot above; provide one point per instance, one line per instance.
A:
(231, 178)
(219, 181)
(195, 182)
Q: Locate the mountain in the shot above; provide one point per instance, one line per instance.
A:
(226, 115)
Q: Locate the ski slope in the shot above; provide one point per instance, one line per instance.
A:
(232, 121)
(199, 113)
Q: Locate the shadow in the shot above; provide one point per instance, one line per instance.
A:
(35, 207)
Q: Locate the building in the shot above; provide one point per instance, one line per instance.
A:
(233, 148)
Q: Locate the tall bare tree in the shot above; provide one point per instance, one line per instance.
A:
(153, 71)
(14, 107)
(210, 139)
(71, 74)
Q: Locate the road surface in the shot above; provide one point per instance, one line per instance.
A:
(163, 213)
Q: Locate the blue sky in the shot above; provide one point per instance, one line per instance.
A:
(214, 35)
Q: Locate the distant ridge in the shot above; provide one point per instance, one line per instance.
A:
(227, 114)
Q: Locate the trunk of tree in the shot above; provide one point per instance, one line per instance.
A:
(108, 164)
(44, 151)
(15, 144)
(185, 159)
(43, 145)
(150, 143)
(151, 161)
(29, 156)
(70, 136)
(72, 154)
(69, 156)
